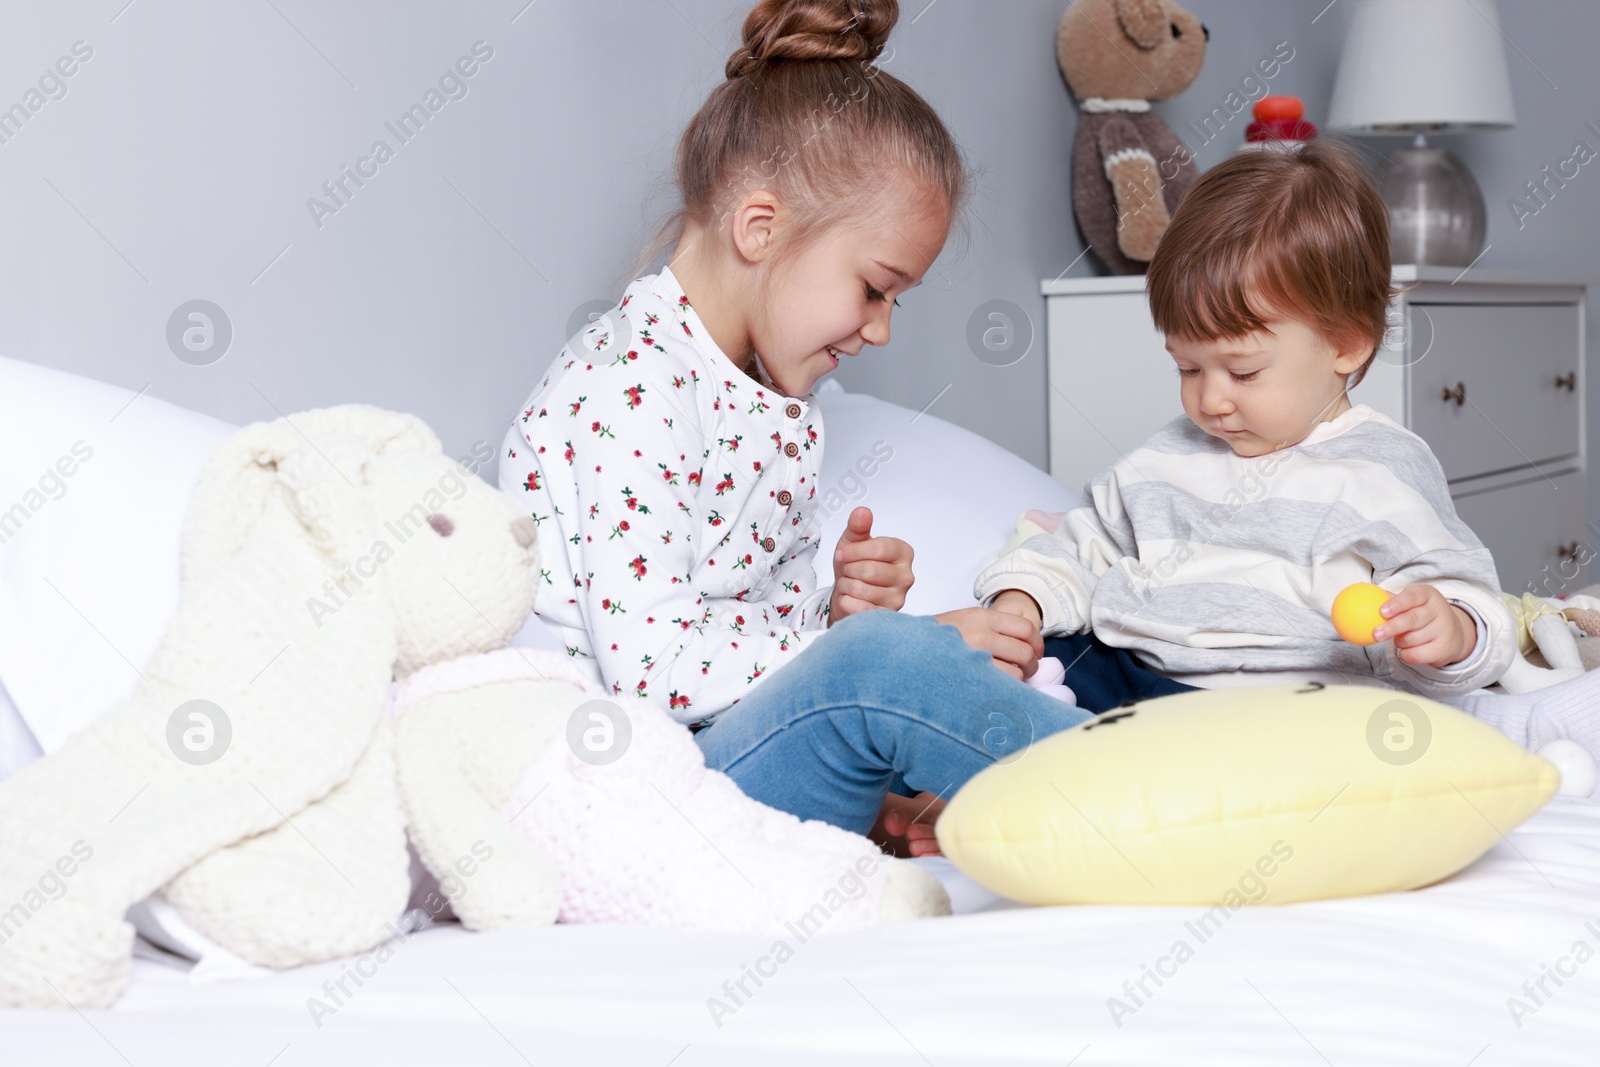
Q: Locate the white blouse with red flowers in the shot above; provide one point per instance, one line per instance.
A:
(675, 500)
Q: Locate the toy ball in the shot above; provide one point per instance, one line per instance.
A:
(1355, 612)
(1576, 765)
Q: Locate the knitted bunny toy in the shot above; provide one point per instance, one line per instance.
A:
(323, 554)
(535, 796)
(252, 773)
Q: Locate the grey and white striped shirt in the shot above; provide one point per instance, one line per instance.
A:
(1218, 570)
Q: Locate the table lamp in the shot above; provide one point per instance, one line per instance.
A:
(1418, 67)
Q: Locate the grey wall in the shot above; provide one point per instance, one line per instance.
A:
(179, 163)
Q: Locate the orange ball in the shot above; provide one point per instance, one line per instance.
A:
(1355, 612)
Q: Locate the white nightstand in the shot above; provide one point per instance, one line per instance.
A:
(1486, 366)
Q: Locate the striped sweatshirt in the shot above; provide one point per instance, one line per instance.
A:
(1220, 570)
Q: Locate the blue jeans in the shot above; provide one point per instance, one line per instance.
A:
(881, 698)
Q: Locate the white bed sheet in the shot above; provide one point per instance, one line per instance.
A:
(1411, 978)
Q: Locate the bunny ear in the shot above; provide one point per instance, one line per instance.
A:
(232, 491)
(1144, 21)
(326, 485)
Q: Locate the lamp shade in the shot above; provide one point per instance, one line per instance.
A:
(1422, 66)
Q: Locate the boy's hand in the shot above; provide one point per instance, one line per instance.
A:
(1013, 640)
(1426, 628)
(868, 572)
(1017, 602)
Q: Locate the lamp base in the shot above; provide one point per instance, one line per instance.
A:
(1436, 212)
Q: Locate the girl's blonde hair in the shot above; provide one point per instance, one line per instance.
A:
(806, 112)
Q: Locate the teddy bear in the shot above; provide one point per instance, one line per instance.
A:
(265, 772)
(1129, 170)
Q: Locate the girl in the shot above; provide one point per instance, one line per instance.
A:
(670, 455)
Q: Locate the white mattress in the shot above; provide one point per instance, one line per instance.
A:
(1412, 978)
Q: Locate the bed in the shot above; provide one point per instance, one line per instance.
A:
(1492, 966)
(1426, 977)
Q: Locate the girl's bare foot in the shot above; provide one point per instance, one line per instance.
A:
(905, 825)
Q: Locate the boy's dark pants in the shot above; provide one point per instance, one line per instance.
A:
(1104, 676)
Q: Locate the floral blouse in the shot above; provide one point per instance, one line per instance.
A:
(675, 500)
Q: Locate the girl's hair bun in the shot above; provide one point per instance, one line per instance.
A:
(854, 30)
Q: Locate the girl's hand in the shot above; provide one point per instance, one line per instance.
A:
(1427, 628)
(868, 572)
(1013, 641)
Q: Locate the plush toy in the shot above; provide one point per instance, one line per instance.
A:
(322, 555)
(1549, 651)
(1129, 170)
(253, 770)
(604, 811)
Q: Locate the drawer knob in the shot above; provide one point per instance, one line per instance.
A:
(1568, 381)
(1458, 394)
(1568, 552)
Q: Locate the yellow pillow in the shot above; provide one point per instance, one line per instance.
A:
(1260, 795)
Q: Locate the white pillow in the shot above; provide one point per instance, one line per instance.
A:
(18, 746)
(94, 486)
(953, 495)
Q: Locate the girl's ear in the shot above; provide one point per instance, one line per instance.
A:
(754, 224)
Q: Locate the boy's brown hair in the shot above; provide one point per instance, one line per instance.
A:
(1266, 235)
